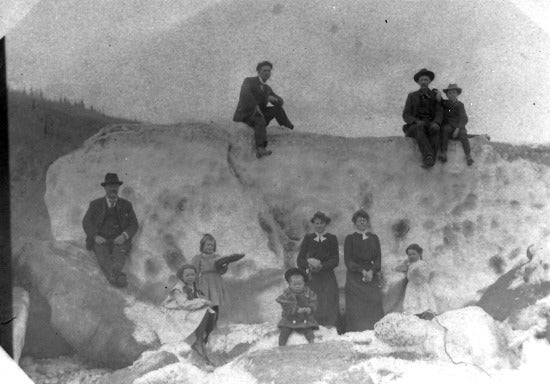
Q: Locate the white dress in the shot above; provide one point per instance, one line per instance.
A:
(418, 294)
(183, 319)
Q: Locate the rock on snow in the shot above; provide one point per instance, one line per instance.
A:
(86, 311)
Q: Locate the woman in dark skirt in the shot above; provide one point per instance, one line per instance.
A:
(363, 260)
(318, 257)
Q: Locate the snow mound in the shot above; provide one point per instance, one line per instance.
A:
(187, 180)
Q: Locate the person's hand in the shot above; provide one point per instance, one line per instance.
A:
(314, 263)
(455, 133)
(367, 276)
(434, 126)
(272, 99)
(208, 302)
(100, 240)
(119, 240)
(300, 310)
(307, 310)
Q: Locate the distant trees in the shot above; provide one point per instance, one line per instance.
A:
(40, 103)
(37, 95)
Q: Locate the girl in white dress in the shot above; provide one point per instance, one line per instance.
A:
(189, 312)
(419, 299)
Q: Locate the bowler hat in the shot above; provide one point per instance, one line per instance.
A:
(321, 216)
(111, 178)
(295, 271)
(424, 72)
(451, 87)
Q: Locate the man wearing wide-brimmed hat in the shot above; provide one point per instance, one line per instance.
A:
(454, 123)
(423, 115)
(110, 223)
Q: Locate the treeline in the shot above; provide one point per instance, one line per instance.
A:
(35, 114)
(37, 95)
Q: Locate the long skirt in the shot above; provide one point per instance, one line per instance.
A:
(325, 286)
(363, 302)
(211, 285)
(419, 298)
(180, 325)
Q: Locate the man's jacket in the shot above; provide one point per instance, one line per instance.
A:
(93, 219)
(251, 96)
(411, 112)
(454, 114)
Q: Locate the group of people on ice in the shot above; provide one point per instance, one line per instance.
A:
(312, 296)
(429, 118)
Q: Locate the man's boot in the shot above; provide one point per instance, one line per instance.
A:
(469, 160)
(119, 280)
(443, 156)
(428, 162)
(261, 152)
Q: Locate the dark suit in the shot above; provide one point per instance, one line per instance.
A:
(422, 109)
(111, 257)
(255, 94)
(454, 116)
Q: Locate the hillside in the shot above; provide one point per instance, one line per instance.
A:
(41, 131)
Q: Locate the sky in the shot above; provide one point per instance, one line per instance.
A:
(343, 67)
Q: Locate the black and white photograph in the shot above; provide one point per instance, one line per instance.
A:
(275, 191)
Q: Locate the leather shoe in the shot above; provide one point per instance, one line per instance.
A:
(261, 152)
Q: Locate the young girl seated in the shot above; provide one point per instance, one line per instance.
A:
(198, 318)
(299, 305)
(419, 299)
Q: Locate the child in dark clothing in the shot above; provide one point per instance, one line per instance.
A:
(454, 123)
(299, 304)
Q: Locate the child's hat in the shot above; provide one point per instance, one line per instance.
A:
(451, 87)
(293, 272)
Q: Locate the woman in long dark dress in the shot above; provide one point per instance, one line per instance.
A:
(363, 260)
(319, 256)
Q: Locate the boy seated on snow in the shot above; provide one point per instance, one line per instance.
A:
(299, 304)
(454, 123)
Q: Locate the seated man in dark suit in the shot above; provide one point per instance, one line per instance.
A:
(109, 224)
(423, 115)
(252, 108)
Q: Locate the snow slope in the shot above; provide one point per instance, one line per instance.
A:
(473, 222)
